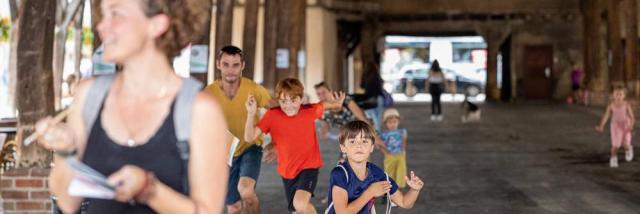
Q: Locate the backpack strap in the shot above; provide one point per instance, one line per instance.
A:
(94, 99)
(346, 175)
(182, 123)
(345, 172)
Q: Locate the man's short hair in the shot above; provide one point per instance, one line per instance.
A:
(232, 51)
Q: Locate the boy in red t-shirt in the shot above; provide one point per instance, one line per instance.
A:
(292, 128)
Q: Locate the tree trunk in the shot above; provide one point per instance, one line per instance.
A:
(35, 80)
(78, 43)
(13, 9)
(96, 14)
(59, 52)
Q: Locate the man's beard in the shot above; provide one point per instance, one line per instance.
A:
(235, 80)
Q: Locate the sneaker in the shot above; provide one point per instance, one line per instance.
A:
(628, 155)
(393, 204)
(433, 117)
(613, 162)
(440, 118)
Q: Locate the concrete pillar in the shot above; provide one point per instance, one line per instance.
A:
(250, 36)
(615, 39)
(595, 51)
(270, 43)
(631, 47)
(369, 39)
(224, 22)
(203, 40)
(494, 36)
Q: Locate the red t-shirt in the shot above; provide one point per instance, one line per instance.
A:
(294, 138)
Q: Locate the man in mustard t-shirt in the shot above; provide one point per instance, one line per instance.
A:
(232, 91)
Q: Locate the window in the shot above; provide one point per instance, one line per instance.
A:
(467, 52)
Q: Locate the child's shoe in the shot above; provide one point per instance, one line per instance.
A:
(628, 155)
(613, 162)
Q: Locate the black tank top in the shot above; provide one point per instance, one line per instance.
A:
(159, 155)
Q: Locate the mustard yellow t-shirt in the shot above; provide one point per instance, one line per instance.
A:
(235, 111)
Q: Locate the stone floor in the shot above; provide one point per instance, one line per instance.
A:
(533, 157)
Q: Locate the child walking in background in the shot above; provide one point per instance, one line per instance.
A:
(395, 140)
(355, 183)
(622, 121)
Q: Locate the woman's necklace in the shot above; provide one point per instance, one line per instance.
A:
(130, 136)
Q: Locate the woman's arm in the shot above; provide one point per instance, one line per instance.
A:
(357, 112)
(61, 175)
(208, 170)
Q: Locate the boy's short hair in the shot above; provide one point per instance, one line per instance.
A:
(355, 128)
(231, 51)
(290, 86)
(322, 84)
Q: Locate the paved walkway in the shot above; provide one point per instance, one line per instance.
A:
(522, 158)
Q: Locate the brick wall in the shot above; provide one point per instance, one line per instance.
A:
(25, 191)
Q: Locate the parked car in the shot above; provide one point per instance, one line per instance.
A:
(417, 76)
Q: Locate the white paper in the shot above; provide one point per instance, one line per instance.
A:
(234, 144)
(84, 187)
(87, 182)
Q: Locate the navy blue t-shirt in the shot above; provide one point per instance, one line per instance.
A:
(354, 186)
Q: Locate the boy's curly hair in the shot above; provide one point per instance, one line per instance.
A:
(187, 20)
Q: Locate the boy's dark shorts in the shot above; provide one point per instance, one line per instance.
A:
(305, 180)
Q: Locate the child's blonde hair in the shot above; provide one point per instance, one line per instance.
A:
(390, 113)
(355, 128)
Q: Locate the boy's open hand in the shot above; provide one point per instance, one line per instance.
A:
(339, 97)
(414, 182)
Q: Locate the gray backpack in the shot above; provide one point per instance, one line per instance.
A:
(181, 114)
